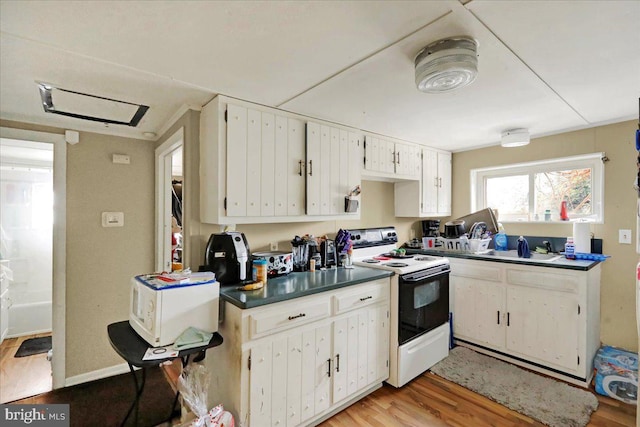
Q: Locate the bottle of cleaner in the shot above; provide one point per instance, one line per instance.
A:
(569, 249)
(500, 241)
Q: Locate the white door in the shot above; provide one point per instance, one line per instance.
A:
(281, 173)
(444, 183)
(308, 376)
(543, 324)
(253, 161)
(324, 170)
(372, 154)
(340, 359)
(236, 160)
(296, 168)
(268, 165)
(260, 385)
(352, 355)
(313, 168)
(335, 189)
(429, 181)
(323, 368)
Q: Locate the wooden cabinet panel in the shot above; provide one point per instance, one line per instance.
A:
(253, 160)
(296, 168)
(324, 170)
(444, 183)
(280, 369)
(280, 164)
(273, 320)
(260, 384)
(267, 165)
(308, 377)
(323, 368)
(294, 383)
(237, 161)
(352, 357)
(340, 358)
(337, 204)
(313, 168)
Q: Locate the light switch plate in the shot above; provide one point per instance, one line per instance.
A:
(113, 219)
(624, 236)
(122, 159)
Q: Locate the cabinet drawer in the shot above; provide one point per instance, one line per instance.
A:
(287, 317)
(362, 296)
(544, 280)
(476, 271)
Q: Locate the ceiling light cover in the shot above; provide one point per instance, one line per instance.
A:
(515, 138)
(447, 64)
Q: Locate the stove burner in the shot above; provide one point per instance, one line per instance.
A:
(371, 261)
(397, 264)
(390, 255)
(424, 258)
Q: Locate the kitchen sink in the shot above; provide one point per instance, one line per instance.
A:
(535, 256)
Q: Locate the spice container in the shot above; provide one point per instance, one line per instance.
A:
(260, 270)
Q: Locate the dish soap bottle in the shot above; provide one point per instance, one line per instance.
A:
(569, 249)
(501, 239)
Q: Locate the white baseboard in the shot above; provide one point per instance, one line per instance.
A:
(96, 375)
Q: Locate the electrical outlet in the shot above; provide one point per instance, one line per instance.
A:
(274, 246)
(624, 236)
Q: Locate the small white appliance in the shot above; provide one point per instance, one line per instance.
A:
(160, 311)
(419, 313)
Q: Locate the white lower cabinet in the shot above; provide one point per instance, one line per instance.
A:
(299, 371)
(547, 317)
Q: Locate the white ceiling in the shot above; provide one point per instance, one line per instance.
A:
(549, 66)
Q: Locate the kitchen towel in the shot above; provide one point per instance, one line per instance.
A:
(582, 237)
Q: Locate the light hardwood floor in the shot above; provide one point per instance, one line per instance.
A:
(430, 401)
(22, 377)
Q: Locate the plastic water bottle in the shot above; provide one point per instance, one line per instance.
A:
(569, 249)
(500, 241)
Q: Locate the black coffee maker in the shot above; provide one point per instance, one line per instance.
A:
(328, 253)
(431, 228)
(228, 255)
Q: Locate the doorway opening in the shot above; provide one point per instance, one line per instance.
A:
(169, 203)
(29, 177)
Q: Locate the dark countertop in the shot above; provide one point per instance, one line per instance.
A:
(300, 284)
(561, 262)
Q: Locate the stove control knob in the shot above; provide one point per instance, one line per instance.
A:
(358, 237)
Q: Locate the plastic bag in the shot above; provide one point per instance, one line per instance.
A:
(193, 385)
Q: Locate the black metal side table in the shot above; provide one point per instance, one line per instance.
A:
(131, 347)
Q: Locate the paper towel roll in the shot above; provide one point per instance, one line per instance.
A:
(582, 237)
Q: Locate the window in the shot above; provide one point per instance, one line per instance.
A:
(530, 192)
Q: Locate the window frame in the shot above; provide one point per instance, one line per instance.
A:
(594, 161)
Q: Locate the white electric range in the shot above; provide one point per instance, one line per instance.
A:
(419, 314)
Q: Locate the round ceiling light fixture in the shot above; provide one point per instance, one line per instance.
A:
(447, 64)
(515, 138)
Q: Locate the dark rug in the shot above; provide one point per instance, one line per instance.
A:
(34, 346)
(105, 402)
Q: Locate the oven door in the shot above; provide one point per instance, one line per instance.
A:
(423, 299)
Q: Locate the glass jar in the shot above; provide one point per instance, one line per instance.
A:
(260, 270)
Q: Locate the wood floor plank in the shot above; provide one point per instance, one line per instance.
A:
(22, 377)
(431, 401)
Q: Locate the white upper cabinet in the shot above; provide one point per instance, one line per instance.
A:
(431, 196)
(391, 160)
(333, 167)
(260, 164)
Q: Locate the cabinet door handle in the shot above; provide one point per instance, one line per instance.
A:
(366, 298)
(508, 319)
(398, 157)
(498, 317)
(337, 362)
(440, 180)
(310, 167)
(300, 167)
(296, 316)
(436, 181)
(329, 367)
(393, 153)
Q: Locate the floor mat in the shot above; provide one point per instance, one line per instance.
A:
(551, 402)
(34, 346)
(105, 402)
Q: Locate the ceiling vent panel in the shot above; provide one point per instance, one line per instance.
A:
(90, 107)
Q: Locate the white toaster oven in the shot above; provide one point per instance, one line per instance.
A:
(159, 312)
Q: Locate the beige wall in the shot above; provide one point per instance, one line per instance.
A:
(101, 261)
(617, 326)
